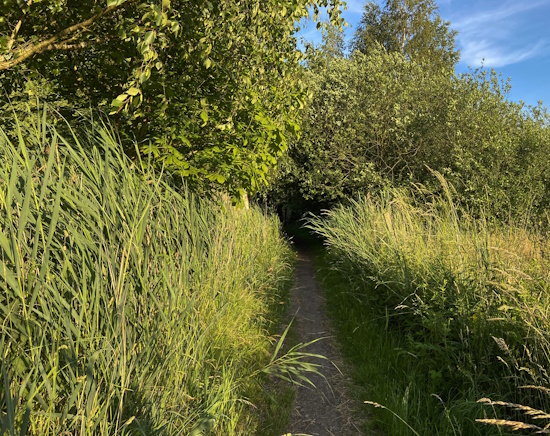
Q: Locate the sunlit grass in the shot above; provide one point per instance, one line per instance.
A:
(127, 306)
(467, 304)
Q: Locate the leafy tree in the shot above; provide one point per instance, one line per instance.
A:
(411, 27)
(330, 161)
(496, 149)
(382, 118)
(211, 88)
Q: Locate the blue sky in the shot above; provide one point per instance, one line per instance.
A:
(511, 36)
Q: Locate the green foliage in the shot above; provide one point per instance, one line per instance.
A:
(381, 369)
(212, 89)
(410, 27)
(381, 118)
(496, 150)
(465, 303)
(369, 123)
(127, 307)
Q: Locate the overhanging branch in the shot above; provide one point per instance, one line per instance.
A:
(58, 41)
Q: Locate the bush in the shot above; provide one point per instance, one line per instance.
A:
(382, 119)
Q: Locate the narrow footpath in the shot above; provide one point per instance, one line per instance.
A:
(327, 410)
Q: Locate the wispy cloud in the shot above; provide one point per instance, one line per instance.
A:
(495, 16)
(490, 54)
(499, 36)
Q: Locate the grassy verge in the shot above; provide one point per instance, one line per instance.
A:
(382, 370)
(127, 306)
(437, 311)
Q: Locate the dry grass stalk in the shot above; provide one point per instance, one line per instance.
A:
(514, 425)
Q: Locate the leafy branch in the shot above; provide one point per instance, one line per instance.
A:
(59, 41)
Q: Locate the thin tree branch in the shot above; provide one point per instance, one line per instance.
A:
(68, 46)
(54, 41)
(16, 29)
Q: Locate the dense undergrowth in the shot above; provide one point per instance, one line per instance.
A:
(127, 306)
(438, 310)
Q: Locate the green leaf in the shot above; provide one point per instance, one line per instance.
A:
(133, 91)
(175, 28)
(143, 76)
(6, 246)
(204, 116)
(150, 37)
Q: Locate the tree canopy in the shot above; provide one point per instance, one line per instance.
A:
(382, 118)
(212, 88)
(411, 27)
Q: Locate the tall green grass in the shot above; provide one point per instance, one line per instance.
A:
(127, 307)
(466, 304)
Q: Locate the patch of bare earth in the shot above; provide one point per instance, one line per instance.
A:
(326, 410)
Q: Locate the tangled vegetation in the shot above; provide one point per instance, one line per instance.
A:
(465, 303)
(211, 88)
(127, 307)
(384, 116)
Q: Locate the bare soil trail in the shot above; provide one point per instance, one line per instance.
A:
(327, 410)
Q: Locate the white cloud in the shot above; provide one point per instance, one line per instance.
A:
(477, 52)
(500, 36)
(495, 16)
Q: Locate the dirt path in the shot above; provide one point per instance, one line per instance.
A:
(326, 410)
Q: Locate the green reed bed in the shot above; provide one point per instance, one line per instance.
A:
(440, 310)
(127, 307)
